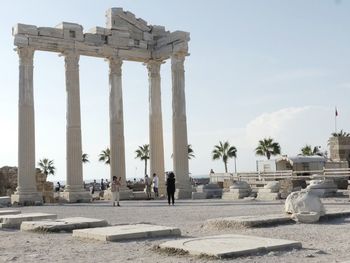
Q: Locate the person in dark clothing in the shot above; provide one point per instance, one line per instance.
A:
(170, 187)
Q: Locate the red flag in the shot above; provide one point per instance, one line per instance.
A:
(336, 112)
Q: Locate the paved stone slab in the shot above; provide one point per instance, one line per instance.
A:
(225, 246)
(65, 224)
(126, 232)
(9, 212)
(248, 221)
(14, 221)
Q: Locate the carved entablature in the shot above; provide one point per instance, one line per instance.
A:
(129, 37)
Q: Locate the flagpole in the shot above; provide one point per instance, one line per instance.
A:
(335, 120)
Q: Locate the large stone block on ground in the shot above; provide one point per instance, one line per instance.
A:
(199, 195)
(9, 212)
(266, 196)
(225, 246)
(274, 186)
(212, 190)
(126, 232)
(65, 224)
(15, 221)
(248, 221)
(323, 188)
(304, 205)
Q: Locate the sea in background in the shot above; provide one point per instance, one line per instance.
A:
(63, 182)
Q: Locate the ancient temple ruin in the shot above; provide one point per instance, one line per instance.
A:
(125, 37)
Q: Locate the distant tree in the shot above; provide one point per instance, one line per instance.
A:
(105, 156)
(142, 153)
(224, 151)
(190, 152)
(340, 134)
(306, 150)
(268, 147)
(85, 158)
(47, 167)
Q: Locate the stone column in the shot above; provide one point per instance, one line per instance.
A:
(74, 190)
(26, 193)
(156, 124)
(180, 144)
(116, 121)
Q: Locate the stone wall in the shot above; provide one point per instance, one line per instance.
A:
(8, 180)
(8, 183)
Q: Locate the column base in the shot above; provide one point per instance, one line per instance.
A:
(34, 198)
(183, 193)
(76, 196)
(125, 194)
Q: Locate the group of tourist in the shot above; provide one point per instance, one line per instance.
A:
(116, 183)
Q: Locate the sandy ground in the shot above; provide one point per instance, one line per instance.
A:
(322, 242)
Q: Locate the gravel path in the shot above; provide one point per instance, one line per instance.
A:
(323, 242)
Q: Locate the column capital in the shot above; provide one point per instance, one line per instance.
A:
(115, 65)
(71, 59)
(26, 55)
(153, 67)
(177, 61)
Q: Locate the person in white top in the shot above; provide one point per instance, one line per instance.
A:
(155, 185)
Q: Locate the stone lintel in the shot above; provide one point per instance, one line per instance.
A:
(88, 48)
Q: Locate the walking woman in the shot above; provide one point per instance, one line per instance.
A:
(170, 187)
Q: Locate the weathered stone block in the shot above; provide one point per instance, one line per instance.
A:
(65, 224)
(199, 195)
(25, 30)
(50, 32)
(14, 221)
(225, 246)
(94, 39)
(126, 232)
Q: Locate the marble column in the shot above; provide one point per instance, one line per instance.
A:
(156, 124)
(116, 121)
(74, 190)
(26, 193)
(180, 144)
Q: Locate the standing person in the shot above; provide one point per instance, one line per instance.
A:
(170, 187)
(155, 184)
(115, 188)
(102, 185)
(58, 187)
(148, 186)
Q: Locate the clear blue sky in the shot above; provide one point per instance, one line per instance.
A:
(256, 69)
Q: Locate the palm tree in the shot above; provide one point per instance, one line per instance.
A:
(224, 151)
(105, 156)
(142, 153)
(268, 147)
(306, 150)
(190, 152)
(340, 134)
(85, 158)
(47, 167)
